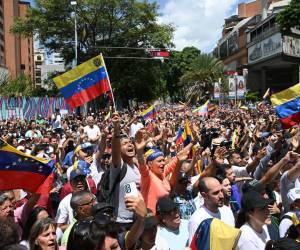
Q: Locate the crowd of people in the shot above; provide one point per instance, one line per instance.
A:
(231, 178)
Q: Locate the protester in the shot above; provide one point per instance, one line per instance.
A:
(184, 169)
(252, 221)
(43, 235)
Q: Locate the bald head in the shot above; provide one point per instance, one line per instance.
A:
(208, 183)
(212, 192)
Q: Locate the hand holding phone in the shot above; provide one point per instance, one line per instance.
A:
(131, 189)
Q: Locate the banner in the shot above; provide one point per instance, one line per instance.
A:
(232, 88)
(216, 90)
(241, 86)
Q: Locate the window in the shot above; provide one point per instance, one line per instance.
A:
(22, 66)
(39, 58)
(38, 80)
(38, 73)
(38, 63)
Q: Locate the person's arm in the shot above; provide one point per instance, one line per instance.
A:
(263, 163)
(271, 174)
(138, 206)
(251, 166)
(116, 142)
(140, 144)
(101, 147)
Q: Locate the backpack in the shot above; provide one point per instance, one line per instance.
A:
(104, 194)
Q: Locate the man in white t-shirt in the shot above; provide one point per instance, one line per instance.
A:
(294, 204)
(213, 207)
(92, 131)
(64, 216)
(290, 179)
(134, 127)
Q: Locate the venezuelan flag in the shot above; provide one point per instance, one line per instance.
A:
(179, 138)
(202, 110)
(22, 171)
(211, 107)
(84, 83)
(213, 234)
(149, 113)
(187, 136)
(287, 106)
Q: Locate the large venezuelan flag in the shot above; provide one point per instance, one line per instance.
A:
(84, 83)
(213, 234)
(287, 106)
(149, 113)
(22, 171)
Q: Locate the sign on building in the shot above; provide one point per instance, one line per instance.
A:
(291, 46)
(264, 49)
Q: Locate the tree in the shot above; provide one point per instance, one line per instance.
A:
(178, 63)
(21, 86)
(198, 81)
(290, 16)
(103, 23)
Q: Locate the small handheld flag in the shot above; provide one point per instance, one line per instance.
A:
(85, 82)
(149, 113)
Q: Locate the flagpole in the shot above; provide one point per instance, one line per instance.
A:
(112, 93)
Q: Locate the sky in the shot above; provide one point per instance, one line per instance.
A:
(198, 22)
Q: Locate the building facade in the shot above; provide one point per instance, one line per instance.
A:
(17, 51)
(273, 56)
(231, 48)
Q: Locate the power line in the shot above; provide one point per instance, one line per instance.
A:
(105, 47)
(133, 57)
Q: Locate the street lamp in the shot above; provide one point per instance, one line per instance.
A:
(74, 3)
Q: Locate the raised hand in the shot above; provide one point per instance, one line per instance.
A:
(136, 205)
(141, 140)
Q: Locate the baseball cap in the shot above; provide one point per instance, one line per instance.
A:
(252, 185)
(84, 146)
(253, 199)
(76, 172)
(165, 205)
(102, 207)
(293, 194)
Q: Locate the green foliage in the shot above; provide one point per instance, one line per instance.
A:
(178, 63)
(290, 16)
(198, 80)
(252, 96)
(104, 23)
(21, 86)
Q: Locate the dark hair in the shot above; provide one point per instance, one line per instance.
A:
(8, 232)
(32, 218)
(87, 234)
(282, 244)
(242, 218)
(76, 198)
(15, 247)
(39, 227)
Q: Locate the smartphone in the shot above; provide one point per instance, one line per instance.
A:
(131, 189)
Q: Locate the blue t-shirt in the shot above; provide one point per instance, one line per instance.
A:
(236, 195)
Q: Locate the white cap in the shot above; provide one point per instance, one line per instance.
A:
(293, 194)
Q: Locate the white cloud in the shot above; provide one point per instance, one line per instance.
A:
(198, 22)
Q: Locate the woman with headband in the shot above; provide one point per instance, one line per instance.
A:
(154, 170)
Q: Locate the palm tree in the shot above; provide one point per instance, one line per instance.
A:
(198, 81)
